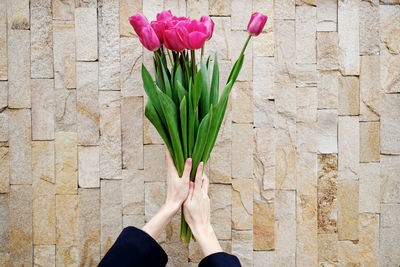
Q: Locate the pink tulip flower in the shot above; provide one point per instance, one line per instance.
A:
(209, 23)
(138, 21)
(175, 37)
(164, 16)
(197, 34)
(159, 27)
(149, 38)
(256, 23)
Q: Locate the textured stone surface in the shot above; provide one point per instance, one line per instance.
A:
(264, 226)
(390, 179)
(328, 89)
(246, 72)
(327, 50)
(305, 34)
(347, 223)
(86, 34)
(132, 132)
(155, 193)
(88, 166)
(285, 9)
(327, 122)
(389, 252)
(3, 41)
(4, 169)
(369, 27)
(220, 7)
(263, 86)
(349, 145)
(389, 30)
(369, 187)
(220, 40)
(369, 141)
(221, 212)
(87, 103)
(152, 154)
(4, 224)
(327, 15)
(242, 204)
(131, 62)
(327, 249)
(369, 239)
(242, 102)
(41, 40)
(390, 123)
(66, 110)
(349, 96)
(20, 223)
(19, 123)
(241, 246)
(370, 88)
(44, 219)
(285, 37)
(348, 253)
(43, 109)
(19, 93)
(126, 9)
(66, 158)
(264, 161)
(133, 192)
(242, 150)
(18, 15)
(195, 8)
(44, 255)
(241, 11)
(43, 171)
(263, 45)
(63, 9)
(389, 66)
(348, 33)
(66, 221)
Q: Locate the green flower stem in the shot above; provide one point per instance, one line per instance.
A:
(157, 52)
(193, 62)
(245, 45)
(170, 58)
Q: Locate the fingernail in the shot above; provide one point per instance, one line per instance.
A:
(189, 160)
(201, 165)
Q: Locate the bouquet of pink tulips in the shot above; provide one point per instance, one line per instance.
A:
(183, 103)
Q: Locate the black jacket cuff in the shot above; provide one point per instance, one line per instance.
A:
(220, 259)
(134, 247)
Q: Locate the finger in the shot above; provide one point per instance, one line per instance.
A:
(187, 169)
(191, 190)
(204, 187)
(198, 179)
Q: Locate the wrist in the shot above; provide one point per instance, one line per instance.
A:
(208, 240)
(170, 208)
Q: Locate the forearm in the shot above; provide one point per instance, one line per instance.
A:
(157, 224)
(208, 241)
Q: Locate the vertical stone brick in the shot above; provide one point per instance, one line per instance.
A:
(20, 213)
(154, 153)
(369, 142)
(236, 37)
(390, 123)
(327, 249)
(349, 96)
(41, 40)
(220, 41)
(328, 89)
(242, 204)
(389, 27)
(369, 27)
(4, 225)
(265, 7)
(67, 256)
(88, 162)
(369, 187)
(19, 91)
(110, 137)
(109, 48)
(43, 109)
(3, 41)
(66, 162)
(219, 7)
(349, 146)
(44, 255)
(43, 171)
(66, 220)
(327, 15)
(242, 242)
(126, 9)
(327, 121)
(110, 213)
(389, 235)
(178, 6)
(306, 34)
(264, 226)
(369, 239)
(132, 132)
(155, 194)
(285, 37)
(196, 8)
(221, 210)
(348, 253)
(390, 179)
(242, 150)
(4, 168)
(131, 66)
(87, 98)
(86, 3)
(20, 146)
(263, 86)
(327, 50)
(285, 10)
(66, 110)
(241, 12)
(133, 192)
(18, 15)
(44, 219)
(389, 65)
(242, 102)
(347, 223)
(86, 34)
(307, 102)
(348, 33)
(370, 89)
(89, 226)
(63, 9)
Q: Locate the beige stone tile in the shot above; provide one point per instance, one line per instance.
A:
(63, 9)
(389, 235)
(155, 194)
(131, 66)
(109, 47)
(67, 256)
(66, 220)
(285, 243)
(307, 102)
(242, 102)
(86, 34)
(19, 124)
(370, 88)
(66, 110)
(369, 142)
(19, 92)
(219, 7)
(239, 37)
(178, 7)
(369, 187)
(18, 14)
(306, 34)
(242, 150)
(264, 161)
(349, 145)
(196, 8)
(306, 75)
(221, 209)
(241, 13)
(389, 66)
(44, 219)
(263, 90)
(348, 33)
(110, 213)
(285, 166)
(327, 50)
(88, 117)
(133, 192)
(284, 9)
(110, 138)
(132, 132)
(263, 45)
(4, 125)
(43, 170)
(242, 242)
(349, 96)
(89, 226)
(264, 226)
(348, 253)
(327, 123)
(220, 44)
(177, 252)
(88, 171)
(3, 41)
(369, 239)
(390, 123)
(347, 223)
(328, 89)
(86, 3)
(20, 222)
(390, 179)
(44, 255)
(64, 52)
(369, 27)
(285, 38)
(43, 109)
(389, 27)
(4, 224)
(150, 134)
(265, 7)
(41, 30)
(327, 248)
(155, 167)
(133, 220)
(126, 9)
(221, 161)
(4, 168)
(242, 204)
(66, 162)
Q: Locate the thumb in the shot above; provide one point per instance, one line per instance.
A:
(191, 190)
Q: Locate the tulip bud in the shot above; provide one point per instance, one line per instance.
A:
(256, 23)
(209, 23)
(164, 16)
(149, 38)
(197, 35)
(138, 21)
(159, 27)
(175, 37)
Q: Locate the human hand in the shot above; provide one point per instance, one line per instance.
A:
(177, 187)
(196, 209)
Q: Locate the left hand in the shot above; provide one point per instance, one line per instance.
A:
(177, 187)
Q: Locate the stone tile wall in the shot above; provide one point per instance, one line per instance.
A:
(306, 168)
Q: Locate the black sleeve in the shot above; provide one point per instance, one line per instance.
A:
(220, 259)
(134, 247)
